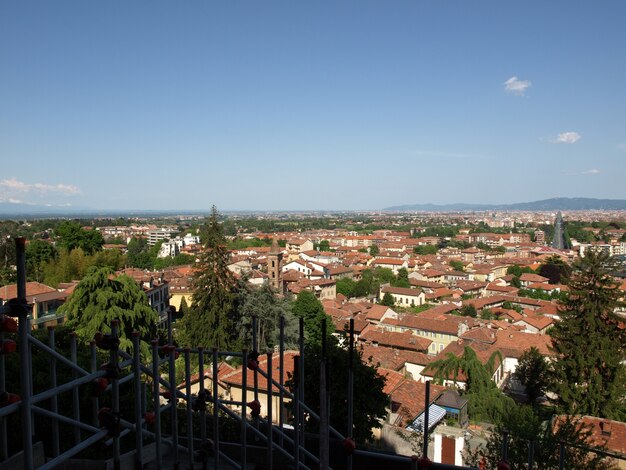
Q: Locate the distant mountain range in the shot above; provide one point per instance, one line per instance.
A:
(31, 210)
(554, 204)
(12, 210)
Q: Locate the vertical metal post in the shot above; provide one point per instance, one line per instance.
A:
(216, 407)
(270, 404)
(75, 394)
(56, 448)
(244, 405)
(24, 345)
(301, 384)
(531, 454)
(202, 393)
(255, 373)
(426, 420)
(323, 424)
(561, 455)
(350, 388)
(281, 380)
(115, 388)
(189, 410)
(156, 398)
(138, 407)
(173, 398)
(4, 448)
(505, 445)
(296, 412)
(94, 399)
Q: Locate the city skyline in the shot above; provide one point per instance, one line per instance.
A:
(281, 106)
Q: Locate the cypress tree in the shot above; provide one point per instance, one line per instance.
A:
(590, 341)
(210, 322)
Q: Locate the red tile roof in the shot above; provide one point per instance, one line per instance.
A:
(406, 340)
(606, 434)
(32, 288)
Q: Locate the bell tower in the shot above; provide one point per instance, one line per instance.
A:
(274, 265)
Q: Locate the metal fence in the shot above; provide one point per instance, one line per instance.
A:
(150, 424)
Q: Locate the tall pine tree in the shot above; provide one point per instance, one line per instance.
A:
(210, 320)
(590, 343)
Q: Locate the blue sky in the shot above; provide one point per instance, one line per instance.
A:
(310, 105)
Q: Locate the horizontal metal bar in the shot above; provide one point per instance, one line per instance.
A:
(264, 437)
(125, 363)
(12, 408)
(229, 460)
(231, 402)
(64, 419)
(285, 391)
(123, 433)
(316, 416)
(50, 464)
(57, 356)
(67, 386)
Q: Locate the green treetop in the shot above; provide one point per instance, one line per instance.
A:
(211, 319)
(486, 401)
(590, 343)
(72, 235)
(99, 298)
(308, 307)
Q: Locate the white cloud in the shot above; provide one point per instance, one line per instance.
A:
(516, 86)
(567, 138)
(13, 185)
(592, 171)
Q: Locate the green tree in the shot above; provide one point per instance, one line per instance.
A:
(361, 289)
(38, 252)
(138, 255)
(212, 319)
(457, 265)
(523, 425)
(346, 286)
(486, 401)
(555, 269)
(519, 270)
(468, 310)
(72, 235)
(402, 279)
(533, 373)
(263, 303)
(425, 250)
(99, 298)
(8, 231)
(374, 250)
(184, 307)
(369, 399)
(383, 275)
(486, 314)
(324, 245)
(590, 342)
(388, 300)
(516, 282)
(308, 307)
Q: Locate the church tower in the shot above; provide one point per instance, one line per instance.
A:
(274, 265)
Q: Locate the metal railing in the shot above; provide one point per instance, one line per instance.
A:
(151, 417)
